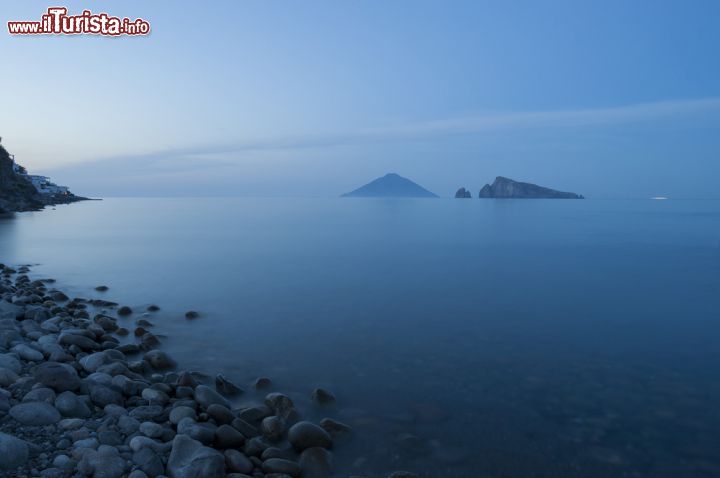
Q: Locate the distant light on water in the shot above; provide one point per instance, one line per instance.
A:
(659, 198)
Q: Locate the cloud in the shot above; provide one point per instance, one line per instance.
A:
(188, 158)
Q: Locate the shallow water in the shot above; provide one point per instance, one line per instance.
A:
(514, 338)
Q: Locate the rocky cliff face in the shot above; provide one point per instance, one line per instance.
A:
(509, 189)
(16, 192)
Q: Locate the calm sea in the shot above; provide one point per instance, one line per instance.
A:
(462, 338)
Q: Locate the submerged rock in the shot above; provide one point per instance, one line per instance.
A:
(322, 396)
(190, 459)
(304, 435)
(124, 311)
(226, 387)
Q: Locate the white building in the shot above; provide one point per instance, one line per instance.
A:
(45, 186)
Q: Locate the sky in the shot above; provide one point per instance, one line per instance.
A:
(610, 99)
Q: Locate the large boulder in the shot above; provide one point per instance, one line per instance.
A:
(61, 377)
(35, 413)
(190, 459)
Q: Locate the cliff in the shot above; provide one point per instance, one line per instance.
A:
(508, 189)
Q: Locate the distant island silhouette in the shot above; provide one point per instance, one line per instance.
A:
(391, 185)
(505, 188)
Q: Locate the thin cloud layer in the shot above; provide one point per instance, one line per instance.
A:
(217, 155)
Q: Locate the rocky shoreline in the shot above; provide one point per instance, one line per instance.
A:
(79, 399)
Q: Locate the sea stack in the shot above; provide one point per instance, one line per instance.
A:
(505, 188)
(463, 193)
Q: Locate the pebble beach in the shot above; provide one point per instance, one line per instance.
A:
(87, 391)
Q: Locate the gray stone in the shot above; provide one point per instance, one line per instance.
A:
(190, 459)
(255, 414)
(139, 442)
(7, 377)
(128, 425)
(203, 432)
(322, 396)
(60, 377)
(272, 428)
(237, 462)
(337, 430)
(281, 405)
(155, 396)
(70, 405)
(149, 462)
(316, 462)
(13, 452)
(159, 360)
(228, 437)
(63, 462)
(28, 353)
(221, 415)
(304, 435)
(91, 363)
(85, 343)
(124, 310)
(110, 437)
(178, 413)
(255, 446)
(35, 413)
(103, 463)
(41, 394)
(152, 429)
(206, 396)
(102, 395)
(10, 311)
(279, 465)
(89, 443)
(9, 362)
(226, 387)
(147, 412)
(245, 428)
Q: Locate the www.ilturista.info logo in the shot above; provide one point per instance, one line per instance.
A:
(57, 22)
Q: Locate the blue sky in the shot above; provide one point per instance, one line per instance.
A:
(609, 99)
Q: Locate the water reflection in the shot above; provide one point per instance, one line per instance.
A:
(462, 338)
